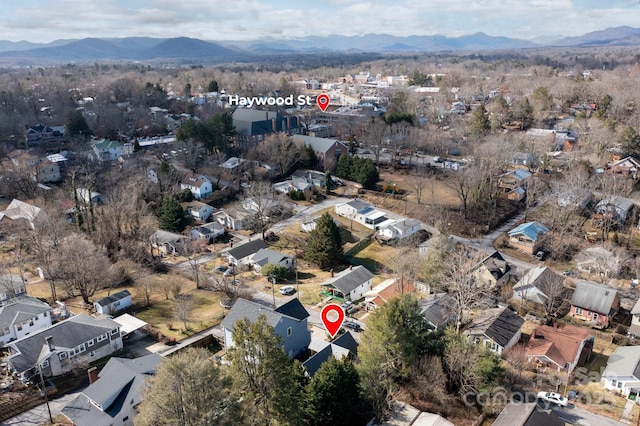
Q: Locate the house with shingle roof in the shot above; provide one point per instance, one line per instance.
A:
(11, 285)
(595, 303)
(289, 321)
(622, 374)
(528, 236)
(634, 329)
(498, 329)
(21, 316)
(242, 253)
(168, 242)
(20, 211)
(115, 395)
(615, 207)
(538, 284)
(439, 309)
(492, 271)
(265, 256)
(199, 185)
(559, 348)
(399, 229)
(344, 346)
(327, 150)
(350, 284)
(385, 291)
(58, 349)
(361, 212)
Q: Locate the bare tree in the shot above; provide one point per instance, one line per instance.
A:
(82, 268)
(375, 134)
(145, 286)
(183, 308)
(418, 183)
(262, 200)
(517, 357)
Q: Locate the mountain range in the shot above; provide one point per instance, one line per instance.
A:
(189, 50)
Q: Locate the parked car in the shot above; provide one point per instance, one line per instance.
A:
(287, 290)
(221, 269)
(346, 305)
(553, 398)
(228, 272)
(541, 254)
(437, 159)
(352, 325)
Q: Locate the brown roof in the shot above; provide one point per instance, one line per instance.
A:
(394, 290)
(561, 345)
(193, 179)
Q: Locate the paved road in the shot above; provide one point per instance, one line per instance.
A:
(579, 416)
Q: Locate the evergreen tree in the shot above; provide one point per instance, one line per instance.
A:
(76, 125)
(213, 86)
(171, 215)
(480, 124)
(324, 245)
(523, 112)
(334, 395)
(630, 141)
(276, 386)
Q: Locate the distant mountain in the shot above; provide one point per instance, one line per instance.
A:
(190, 50)
(184, 47)
(618, 36)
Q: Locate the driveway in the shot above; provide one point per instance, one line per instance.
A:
(39, 415)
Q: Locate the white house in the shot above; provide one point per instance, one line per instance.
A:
(107, 150)
(199, 185)
(198, 210)
(231, 219)
(537, 285)
(350, 284)
(209, 232)
(242, 254)
(21, 316)
(622, 374)
(265, 256)
(114, 303)
(361, 212)
(399, 229)
(11, 286)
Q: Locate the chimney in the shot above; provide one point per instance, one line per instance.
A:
(555, 326)
(274, 125)
(533, 334)
(351, 267)
(49, 343)
(331, 273)
(93, 374)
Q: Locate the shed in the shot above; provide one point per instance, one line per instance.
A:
(114, 303)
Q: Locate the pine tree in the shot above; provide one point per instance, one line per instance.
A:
(171, 215)
(324, 245)
(480, 124)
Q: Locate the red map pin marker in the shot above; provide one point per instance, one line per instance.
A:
(332, 317)
(323, 101)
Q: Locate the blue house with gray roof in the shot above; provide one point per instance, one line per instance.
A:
(289, 322)
(528, 237)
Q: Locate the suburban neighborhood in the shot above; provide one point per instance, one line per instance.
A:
(167, 252)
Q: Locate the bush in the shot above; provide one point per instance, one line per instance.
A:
(273, 270)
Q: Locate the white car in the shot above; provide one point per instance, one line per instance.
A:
(553, 398)
(287, 290)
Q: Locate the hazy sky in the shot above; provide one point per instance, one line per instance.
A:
(44, 21)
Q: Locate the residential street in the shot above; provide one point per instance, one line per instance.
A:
(579, 416)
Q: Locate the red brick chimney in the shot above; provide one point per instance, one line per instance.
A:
(93, 374)
(555, 325)
(351, 267)
(331, 273)
(533, 334)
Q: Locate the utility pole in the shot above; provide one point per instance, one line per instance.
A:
(273, 290)
(43, 392)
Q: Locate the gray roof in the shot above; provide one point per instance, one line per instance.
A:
(339, 348)
(349, 279)
(625, 361)
(243, 250)
(106, 301)
(256, 122)
(244, 308)
(438, 308)
(20, 210)
(319, 144)
(21, 309)
(359, 205)
(265, 255)
(498, 324)
(541, 277)
(614, 200)
(66, 334)
(527, 414)
(120, 382)
(11, 281)
(594, 297)
(166, 237)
